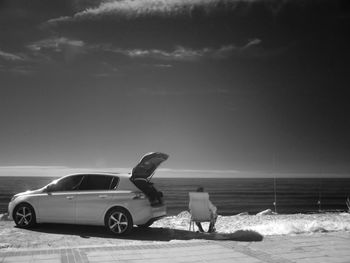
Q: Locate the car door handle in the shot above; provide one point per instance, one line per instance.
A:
(70, 197)
(103, 196)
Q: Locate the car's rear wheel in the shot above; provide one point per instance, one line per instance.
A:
(24, 216)
(118, 221)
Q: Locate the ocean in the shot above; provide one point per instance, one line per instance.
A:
(231, 195)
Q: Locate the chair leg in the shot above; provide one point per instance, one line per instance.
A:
(191, 225)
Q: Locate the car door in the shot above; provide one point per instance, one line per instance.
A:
(58, 203)
(95, 194)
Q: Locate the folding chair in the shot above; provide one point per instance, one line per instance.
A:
(199, 208)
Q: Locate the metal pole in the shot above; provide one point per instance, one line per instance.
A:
(275, 194)
(274, 183)
(319, 197)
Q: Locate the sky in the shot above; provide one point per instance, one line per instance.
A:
(219, 85)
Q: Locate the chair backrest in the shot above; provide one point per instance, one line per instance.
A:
(199, 206)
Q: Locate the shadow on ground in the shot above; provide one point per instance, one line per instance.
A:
(147, 234)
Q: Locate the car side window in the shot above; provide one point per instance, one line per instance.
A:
(96, 182)
(69, 183)
(114, 183)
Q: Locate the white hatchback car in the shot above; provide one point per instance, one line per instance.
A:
(118, 201)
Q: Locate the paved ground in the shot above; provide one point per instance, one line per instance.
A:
(322, 247)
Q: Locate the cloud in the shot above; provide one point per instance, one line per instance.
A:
(15, 64)
(185, 54)
(44, 50)
(136, 8)
(139, 8)
(252, 42)
(24, 71)
(102, 75)
(10, 57)
(158, 91)
(163, 65)
(179, 53)
(56, 44)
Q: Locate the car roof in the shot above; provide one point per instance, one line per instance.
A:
(120, 175)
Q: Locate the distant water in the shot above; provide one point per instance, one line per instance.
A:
(231, 196)
(237, 195)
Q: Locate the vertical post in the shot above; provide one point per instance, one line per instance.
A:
(275, 194)
(274, 183)
(319, 196)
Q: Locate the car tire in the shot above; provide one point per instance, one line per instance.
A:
(24, 216)
(119, 221)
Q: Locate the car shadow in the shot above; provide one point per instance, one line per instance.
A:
(147, 234)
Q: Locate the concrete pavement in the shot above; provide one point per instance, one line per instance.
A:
(319, 247)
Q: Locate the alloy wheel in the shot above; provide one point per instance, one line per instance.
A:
(24, 216)
(118, 222)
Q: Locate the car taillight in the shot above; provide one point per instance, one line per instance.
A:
(139, 196)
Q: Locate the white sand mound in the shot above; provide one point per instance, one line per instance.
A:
(268, 224)
(4, 217)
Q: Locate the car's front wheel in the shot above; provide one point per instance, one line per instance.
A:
(119, 221)
(24, 216)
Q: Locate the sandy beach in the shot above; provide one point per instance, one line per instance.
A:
(241, 238)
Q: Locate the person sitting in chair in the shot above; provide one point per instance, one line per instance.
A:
(213, 212)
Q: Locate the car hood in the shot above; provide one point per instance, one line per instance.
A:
(30, 192)
(147, 165)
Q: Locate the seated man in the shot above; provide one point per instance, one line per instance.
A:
(213, 215)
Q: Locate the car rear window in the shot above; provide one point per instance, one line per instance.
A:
(97, 182)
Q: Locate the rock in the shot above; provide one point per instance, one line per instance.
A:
(184, 214)
(4, 245)
(4, 217)
(243, 214)
(266, 212)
